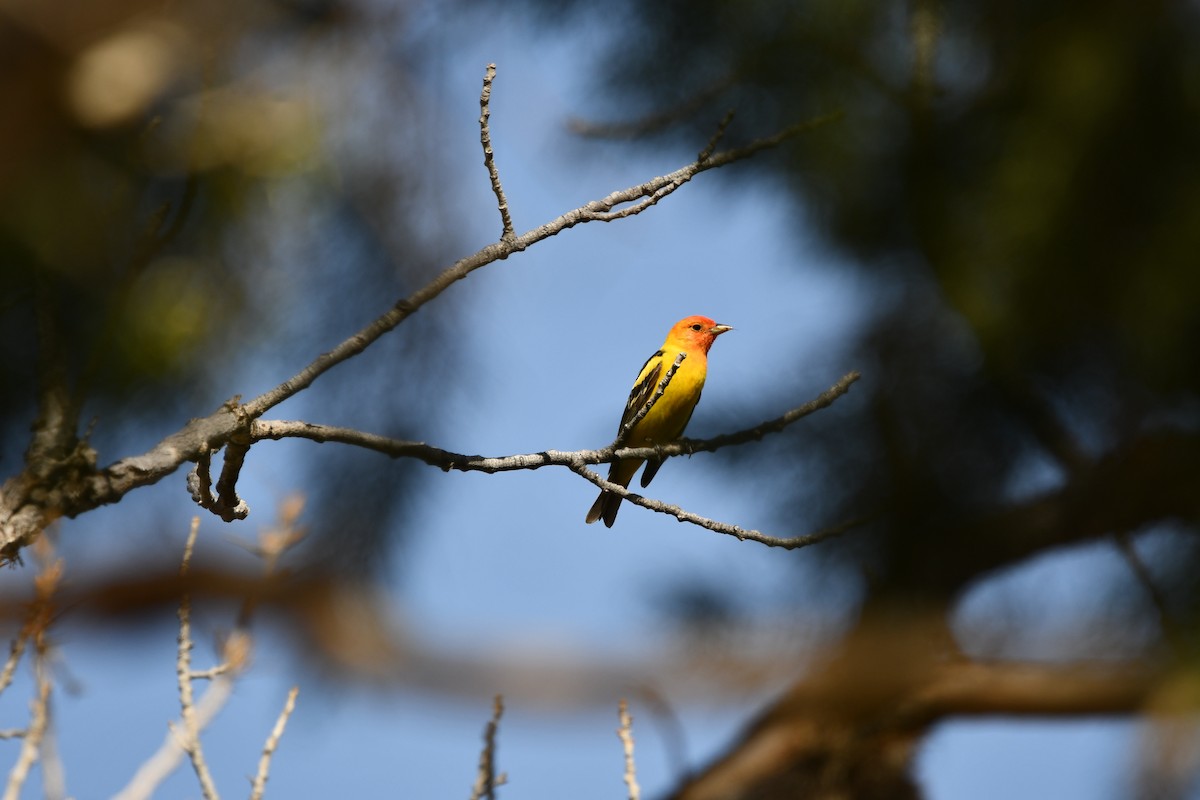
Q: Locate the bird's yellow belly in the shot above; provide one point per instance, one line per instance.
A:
(670, 414)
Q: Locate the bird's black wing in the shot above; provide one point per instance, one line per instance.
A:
(643, 388)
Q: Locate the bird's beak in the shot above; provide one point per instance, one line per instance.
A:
(717, 330)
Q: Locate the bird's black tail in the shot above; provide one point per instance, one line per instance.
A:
(605, 507)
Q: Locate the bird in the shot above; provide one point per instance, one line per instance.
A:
(666, 419)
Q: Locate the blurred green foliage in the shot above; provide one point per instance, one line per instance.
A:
(177, 207)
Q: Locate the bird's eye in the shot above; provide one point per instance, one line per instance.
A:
(697, 326)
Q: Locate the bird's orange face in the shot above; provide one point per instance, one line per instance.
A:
(697, 331)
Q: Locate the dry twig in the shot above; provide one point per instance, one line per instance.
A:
(38, 623)
(625, 733)
(486, 780)
(38, 722)
(489, 160)
(235, 655)
(190, 735)
(264, 763)
(158, 767)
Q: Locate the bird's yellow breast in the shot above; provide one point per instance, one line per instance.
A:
(671, 413)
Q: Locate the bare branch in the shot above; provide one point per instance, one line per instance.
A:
(755, 434)
(32, 744)
(264, 763)
(485, 138)
(16, 650)
(41, 614)
(24, 512)
(199, 480)
(578, 461)
(226, 504)
(487, 780)
(235, 653)
(212, 673)
(183, 670)
(165, 760)
(229, 505)
(448, 460)
(625, 733)
(602, 210)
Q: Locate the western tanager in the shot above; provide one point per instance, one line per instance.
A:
(669, 415)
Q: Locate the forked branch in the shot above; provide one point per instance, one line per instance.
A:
(28, 504)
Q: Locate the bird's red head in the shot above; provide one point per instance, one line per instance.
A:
(696, 332)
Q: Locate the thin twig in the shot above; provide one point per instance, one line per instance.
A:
(743, 534)
(165, 760)
(486, 780)
(16, 650)
(264, 763)
(625, 733)
(485, 138)
(41, 614)
(212, 673)
(235, 655)
(183, 670)
(199, 480)
(38, 722)
(717, 136)
(623, 434)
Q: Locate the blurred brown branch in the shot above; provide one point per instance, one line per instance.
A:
(851, 727)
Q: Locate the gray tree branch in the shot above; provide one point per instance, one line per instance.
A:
(55, 484)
